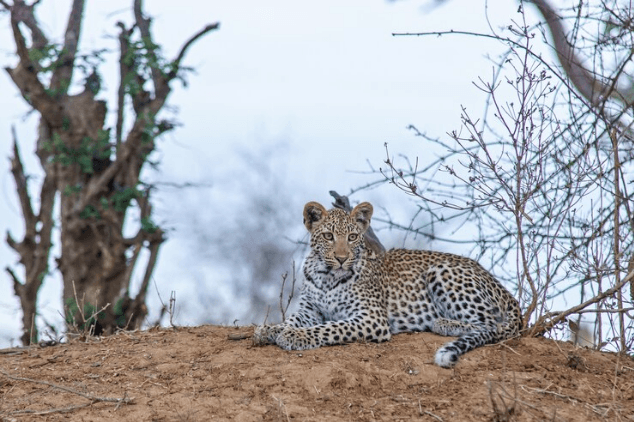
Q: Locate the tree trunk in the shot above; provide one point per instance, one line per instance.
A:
(94, 268)
(93, 262)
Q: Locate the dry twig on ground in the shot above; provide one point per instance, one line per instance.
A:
(91, 397)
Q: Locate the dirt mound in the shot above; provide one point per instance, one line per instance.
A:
(192, 374)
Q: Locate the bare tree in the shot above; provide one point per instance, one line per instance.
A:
(541, 174)
(94, 172)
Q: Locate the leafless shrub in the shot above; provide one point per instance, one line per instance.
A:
(541, 176)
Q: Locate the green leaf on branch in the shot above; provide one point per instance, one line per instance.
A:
(47, 57)
(89, 315)
(119, 312)
(148, 226)
(89, 212)
(99, 148)
(121, 199)
(40, 276)
(71, 190)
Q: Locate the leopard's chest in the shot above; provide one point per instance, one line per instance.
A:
(332, 304)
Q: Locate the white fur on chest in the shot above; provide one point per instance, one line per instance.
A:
(330, 303)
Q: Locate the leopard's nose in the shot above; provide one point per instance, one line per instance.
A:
(341, 259)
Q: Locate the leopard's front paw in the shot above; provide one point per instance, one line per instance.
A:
(291, 338)
(266, 334)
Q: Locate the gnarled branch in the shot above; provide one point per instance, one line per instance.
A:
(144, 26)
(549, 320)
(124, 70)
(592, 89)
(24, 75)
(160, 79)
(191, 41)
(27, 16)
(17, 169)
(60, 82)
(145, 108)
(595, 91)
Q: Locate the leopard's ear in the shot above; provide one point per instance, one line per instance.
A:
(314, 213)
(362, 214)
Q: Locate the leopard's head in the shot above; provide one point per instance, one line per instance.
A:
(336, 236)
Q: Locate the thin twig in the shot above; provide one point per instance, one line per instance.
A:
(172, 309)
(617, 241)
(70, 390)
(422, 411)
(49, 411)
(283, 308)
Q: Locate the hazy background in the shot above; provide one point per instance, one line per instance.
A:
(289, 100)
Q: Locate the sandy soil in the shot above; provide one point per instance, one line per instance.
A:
(199, 374)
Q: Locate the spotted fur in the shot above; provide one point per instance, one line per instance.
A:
(352, 294)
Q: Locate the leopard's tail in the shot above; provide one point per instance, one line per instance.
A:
(507, 326)
(447, 356)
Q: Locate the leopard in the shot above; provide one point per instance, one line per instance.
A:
(352, 292)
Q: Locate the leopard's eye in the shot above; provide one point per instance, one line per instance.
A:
(328, 236)
(352, 237)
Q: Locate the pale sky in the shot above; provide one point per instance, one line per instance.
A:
(327, 79)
